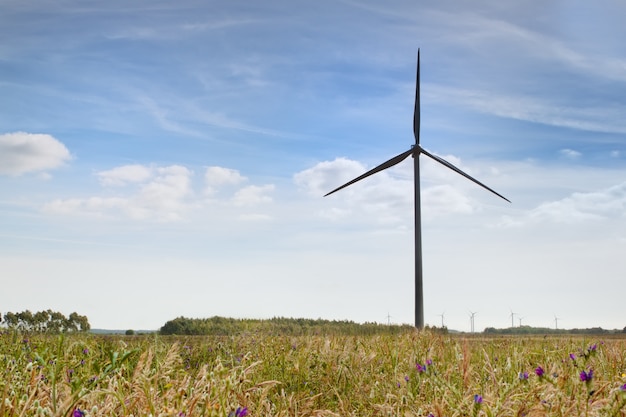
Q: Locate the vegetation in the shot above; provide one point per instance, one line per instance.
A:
(255, 374)
(528, 330)
(222, 326)
(47, 321)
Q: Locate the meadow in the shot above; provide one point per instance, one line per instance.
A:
(410, 374)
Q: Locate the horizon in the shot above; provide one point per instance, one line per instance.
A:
(161, 160)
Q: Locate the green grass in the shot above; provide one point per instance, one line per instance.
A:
(310, 376)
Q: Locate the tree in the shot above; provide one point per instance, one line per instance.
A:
(47, 321)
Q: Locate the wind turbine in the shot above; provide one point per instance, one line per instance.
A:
(556, 322)
(415, 152)
(512, 318)
(441, 315)
(472, 314)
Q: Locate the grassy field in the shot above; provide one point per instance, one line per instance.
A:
(414, 374)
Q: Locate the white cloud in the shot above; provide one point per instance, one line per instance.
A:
(608, 203)
(253, 194)
(570, 153)
(441, 199)
(163, 197)
(216, 177)
(125, 174)
(328, 175)
(166, 193)
(387, 196)
(22, 152)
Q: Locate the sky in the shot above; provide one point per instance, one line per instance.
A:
(162, 159)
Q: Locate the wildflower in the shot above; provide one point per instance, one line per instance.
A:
(622, 387)
(78, 413)
(572, 356)
(85, 351)
(586, 376)
(406, 378)
(420, 368)
(523, 376)
(539, 371)
(429, 362)
(593, 347)
(478, 399)
(239, 412)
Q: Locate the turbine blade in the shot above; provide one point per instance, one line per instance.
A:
(388, 164)
(416, 112)
(457, 170)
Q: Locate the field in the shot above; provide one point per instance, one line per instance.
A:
(413, 374)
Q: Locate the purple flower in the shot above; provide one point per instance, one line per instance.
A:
(78, 413)
(539, 371)
(241, 412)
(429, 362)
(572, 356)
(593, 347)
(406, 378)
(85, 351)
(586, 376)
(478, 399)
(523, 376)
(420, 368)
(622, 387)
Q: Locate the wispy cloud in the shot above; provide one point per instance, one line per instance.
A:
(570, 154)
(532, 109)
(579, 207)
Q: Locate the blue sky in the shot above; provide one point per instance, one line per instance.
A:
(160, 159)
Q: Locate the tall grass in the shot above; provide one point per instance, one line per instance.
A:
(413, 374)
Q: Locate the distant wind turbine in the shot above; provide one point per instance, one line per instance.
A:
(415, 152)
(472, 314)
(442, 314)
(512, 318)
(556, 322)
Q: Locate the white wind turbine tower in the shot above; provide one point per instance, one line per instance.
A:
(441, 315)
(415, 151)
(512, 318)
(471, 315)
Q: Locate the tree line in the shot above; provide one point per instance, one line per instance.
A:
(223, 326)
(46, 321)
(544, 330)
